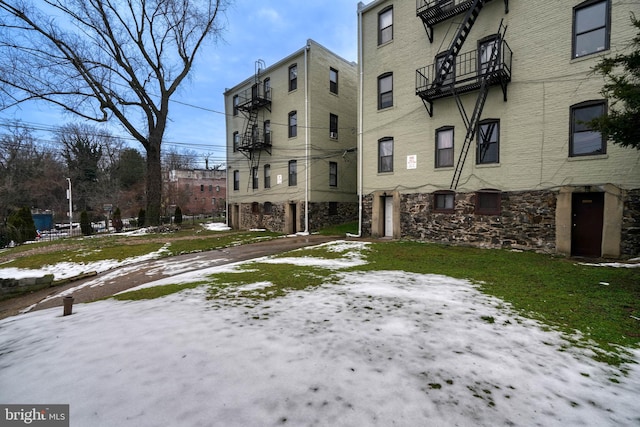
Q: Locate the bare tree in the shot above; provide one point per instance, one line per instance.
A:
(176, 160)
(30, 175)
(106, 59)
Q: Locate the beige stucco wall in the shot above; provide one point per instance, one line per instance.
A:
(321, 148)
(534, 122)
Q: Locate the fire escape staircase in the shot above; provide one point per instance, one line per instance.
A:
(432, 12)
(454, 73)
(472, 122)
(251, 103)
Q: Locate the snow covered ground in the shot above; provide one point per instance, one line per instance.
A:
(375, 349)
(66, 270)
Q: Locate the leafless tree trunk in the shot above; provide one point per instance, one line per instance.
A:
(106, 59)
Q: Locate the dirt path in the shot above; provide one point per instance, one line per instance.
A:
(111, 282)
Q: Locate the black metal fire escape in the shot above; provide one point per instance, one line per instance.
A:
(454, 73)
(251, 103)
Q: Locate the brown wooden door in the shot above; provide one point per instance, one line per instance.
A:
(587, 214)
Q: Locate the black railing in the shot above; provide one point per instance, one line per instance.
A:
(466, 75)
(434, 11)
(256, 140)
(254, 97)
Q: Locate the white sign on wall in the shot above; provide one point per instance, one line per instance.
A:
(412, 161)
(279, 179)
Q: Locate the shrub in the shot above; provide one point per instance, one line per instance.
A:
(177, 217)
(116, 220)
(142, 218)
(21, 226)
(85, 224)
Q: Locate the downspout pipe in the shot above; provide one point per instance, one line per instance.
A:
(360, 125)
(306, 138)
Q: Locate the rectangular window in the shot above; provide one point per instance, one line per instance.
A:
(293, 124)
(333, 80)
(333, 174)
(201, 187)
(213, 201)
(267, 132)
(444, 201)
(444, 147)
(236, 180)
(266, 85)
(333, 126)
(385, 91)
(267, 208)
(333, 208)
(235, 105)
(450, 75)
(486, 49)
(254, 177)
(385, 155)
(236, 141)
(591, 27)
(210, 188)
(267, 176)
(293, 173)
(583, 140)
(385, 26)
(488, 142)
(488, 202)
(293, 77)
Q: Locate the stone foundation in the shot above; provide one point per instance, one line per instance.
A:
(527, 221)
(321, 215)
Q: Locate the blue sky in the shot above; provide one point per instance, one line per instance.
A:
(255, 29)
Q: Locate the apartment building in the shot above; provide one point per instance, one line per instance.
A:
(291, 143)
(196, 191)
(474, 130)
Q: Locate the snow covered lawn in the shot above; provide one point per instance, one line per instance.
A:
(384, 348)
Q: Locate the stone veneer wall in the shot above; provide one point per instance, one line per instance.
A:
(319, 216)
(527, 221)
(630, 245)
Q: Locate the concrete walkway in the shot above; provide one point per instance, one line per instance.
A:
(138, 274)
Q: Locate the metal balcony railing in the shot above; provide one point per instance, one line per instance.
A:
(435, 11)
(254, 97)
(466, 76)
(256, 140)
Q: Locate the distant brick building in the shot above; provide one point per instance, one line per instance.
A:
(196, 191)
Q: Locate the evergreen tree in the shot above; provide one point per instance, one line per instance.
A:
(177, 216)
(116, 220)
(85, 224)
(141, 217)
(21, 225)
(622, 73)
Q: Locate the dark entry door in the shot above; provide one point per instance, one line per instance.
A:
(588, 213)
(294, 218)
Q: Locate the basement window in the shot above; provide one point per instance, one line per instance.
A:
(488, 202)
(444, 201)
(268, 208)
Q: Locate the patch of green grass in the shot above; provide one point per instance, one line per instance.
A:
(85, 252)
(155, 292)
(554, 290)
(277, 280)
(325, 252)
(340, 229)
(186, 246)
